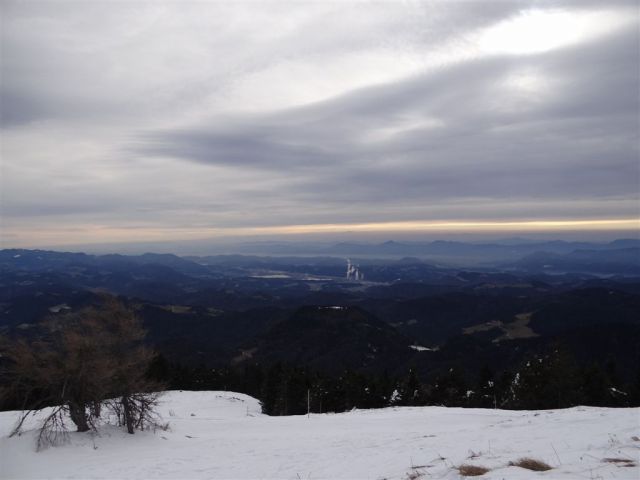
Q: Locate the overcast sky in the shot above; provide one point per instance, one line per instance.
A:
(142, 121)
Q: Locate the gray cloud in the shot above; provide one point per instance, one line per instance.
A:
(219, 115)
(576, 137)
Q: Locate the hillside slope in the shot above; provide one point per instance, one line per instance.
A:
(224, 435)
(332, 339)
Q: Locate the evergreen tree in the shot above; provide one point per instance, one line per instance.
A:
(410, 390)
(449, 389)
(547, 381)
(485, 393)
(595, 386)
(271, 389)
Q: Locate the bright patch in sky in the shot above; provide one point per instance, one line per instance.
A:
(105, 233)
(537, 31)
(456, 226)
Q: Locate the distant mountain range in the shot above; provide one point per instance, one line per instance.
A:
(43, 260)
(239, 309)
(619, 257)
(458, 252)
(621, 261)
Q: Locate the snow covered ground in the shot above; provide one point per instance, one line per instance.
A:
(223, 435)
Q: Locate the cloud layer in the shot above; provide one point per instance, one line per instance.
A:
(188, 117)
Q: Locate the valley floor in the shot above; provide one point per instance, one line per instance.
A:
(223, 435)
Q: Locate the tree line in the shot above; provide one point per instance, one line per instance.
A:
(542, 381)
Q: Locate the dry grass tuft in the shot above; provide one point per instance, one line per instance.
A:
(621, 462)
(472, 470)
(531, 464)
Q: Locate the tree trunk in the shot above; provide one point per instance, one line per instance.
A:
(96, 409)
(78, 416)
(126, 410)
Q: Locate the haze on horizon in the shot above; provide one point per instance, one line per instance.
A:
(127, 122)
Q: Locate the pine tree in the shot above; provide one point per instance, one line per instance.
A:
(485, 394)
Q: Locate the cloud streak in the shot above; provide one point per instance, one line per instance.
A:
(523, 127)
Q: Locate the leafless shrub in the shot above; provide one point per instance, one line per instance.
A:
(136, 411)
(53, 431)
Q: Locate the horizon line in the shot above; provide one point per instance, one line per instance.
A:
(101, 234)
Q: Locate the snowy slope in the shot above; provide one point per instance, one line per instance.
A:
(224, 435)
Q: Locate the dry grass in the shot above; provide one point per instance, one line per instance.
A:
(472, 470)
(621, 462)
(531, 464)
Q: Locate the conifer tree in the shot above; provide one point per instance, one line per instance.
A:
(83, 360)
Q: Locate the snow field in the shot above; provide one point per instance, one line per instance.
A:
(223, 435)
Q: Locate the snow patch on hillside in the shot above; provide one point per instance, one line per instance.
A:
(224, 435)
(420, 348)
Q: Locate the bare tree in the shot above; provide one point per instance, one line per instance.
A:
(134, 401)
(82, 361)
